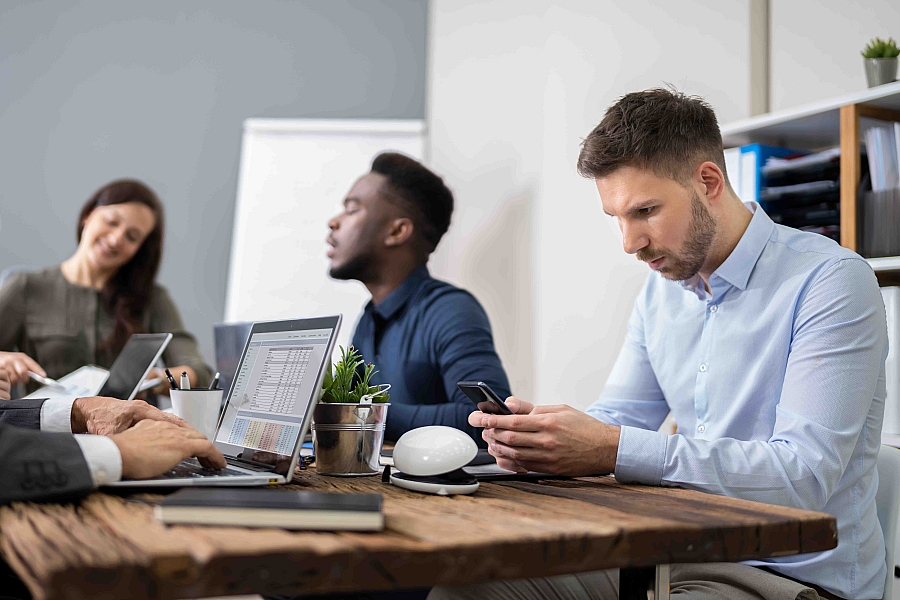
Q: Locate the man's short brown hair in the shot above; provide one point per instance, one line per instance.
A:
(661, 130)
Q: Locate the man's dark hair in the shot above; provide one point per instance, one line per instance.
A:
(661, 130)
(423, 194)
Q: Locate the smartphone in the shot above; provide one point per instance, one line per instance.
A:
(484, 397)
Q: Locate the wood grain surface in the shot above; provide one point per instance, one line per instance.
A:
(111, 546)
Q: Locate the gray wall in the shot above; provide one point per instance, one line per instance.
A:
(97, 90)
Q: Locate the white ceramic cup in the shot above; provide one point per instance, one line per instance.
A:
(200, 408)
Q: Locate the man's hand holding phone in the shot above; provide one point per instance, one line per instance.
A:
(549, 439)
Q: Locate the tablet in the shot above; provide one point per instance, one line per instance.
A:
(85, 381)
(133, 364)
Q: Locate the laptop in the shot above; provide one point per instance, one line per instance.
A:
(230, 339)
(269, 406)
(124, 378)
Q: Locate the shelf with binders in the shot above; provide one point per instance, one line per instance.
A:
(841, 122)
(796, 188)
(804, 192)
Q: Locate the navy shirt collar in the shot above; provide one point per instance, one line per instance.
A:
(397, 299)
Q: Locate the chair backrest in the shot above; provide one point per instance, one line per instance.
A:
(887, 502)
(5, 273)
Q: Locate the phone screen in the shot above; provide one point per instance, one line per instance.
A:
(484, 397)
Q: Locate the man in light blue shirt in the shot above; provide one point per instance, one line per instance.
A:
(766, 343)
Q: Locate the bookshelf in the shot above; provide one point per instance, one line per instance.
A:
(823, 124)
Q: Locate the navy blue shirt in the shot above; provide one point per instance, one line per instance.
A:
(423, 338)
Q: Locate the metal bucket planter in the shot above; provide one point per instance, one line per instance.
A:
(880, 70)
(348, 438)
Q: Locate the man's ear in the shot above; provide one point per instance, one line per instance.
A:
(711, 180)
(400, 231)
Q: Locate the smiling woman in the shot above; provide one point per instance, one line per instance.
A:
(84, 310)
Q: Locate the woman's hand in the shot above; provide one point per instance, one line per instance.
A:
(5, 385)
(17, 365)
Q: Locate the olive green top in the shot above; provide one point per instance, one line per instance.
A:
(60, 324)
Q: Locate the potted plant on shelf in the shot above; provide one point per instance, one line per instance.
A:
(349, 419)
(881, 61)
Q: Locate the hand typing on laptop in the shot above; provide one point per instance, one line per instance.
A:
(151, 448)
(106, 416)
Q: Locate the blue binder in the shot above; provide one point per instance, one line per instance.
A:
(753, 157)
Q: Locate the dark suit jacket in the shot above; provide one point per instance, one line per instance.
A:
(38, 465)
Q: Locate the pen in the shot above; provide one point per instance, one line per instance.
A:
(45, 380)
(171, 380)
(215, 381)
(185, 382)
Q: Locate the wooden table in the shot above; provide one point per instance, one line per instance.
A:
(110, 546)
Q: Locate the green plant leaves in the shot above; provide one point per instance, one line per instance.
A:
(879, 48)
(348, 383)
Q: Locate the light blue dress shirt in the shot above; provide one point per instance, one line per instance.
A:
(776, 381)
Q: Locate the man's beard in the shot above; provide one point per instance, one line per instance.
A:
(688, 262)
(360, 268)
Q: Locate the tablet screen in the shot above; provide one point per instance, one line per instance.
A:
(133, 363)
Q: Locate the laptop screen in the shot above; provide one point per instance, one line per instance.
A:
(276, 386)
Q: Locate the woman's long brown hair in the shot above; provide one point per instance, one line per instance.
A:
(127, 293)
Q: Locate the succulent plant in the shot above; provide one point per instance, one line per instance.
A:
(349, 383)
(879, 48)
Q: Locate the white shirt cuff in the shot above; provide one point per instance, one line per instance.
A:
(641, 457)
(56, 414)
(103, 458)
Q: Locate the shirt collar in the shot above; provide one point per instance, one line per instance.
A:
(397, 299)
(739, 265)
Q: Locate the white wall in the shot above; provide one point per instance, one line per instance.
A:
(513, 88)
(816, 46)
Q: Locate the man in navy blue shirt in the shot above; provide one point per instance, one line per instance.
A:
(423, 335)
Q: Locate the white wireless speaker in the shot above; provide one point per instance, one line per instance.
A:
(431, 460)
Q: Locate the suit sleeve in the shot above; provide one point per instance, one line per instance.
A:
(40, 466)
(25, 413)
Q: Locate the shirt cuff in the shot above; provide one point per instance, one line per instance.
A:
(103, 458)
(56, 415)
(642, 456)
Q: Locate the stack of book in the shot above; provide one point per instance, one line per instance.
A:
(880, 207)
(804, 192)
(883, 149)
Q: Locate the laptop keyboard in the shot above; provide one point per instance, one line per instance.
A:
(189, 469)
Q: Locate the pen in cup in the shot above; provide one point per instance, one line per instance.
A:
(215, 381)
(185, 382)
(171, 380)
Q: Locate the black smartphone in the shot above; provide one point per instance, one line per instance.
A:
(484, 397)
